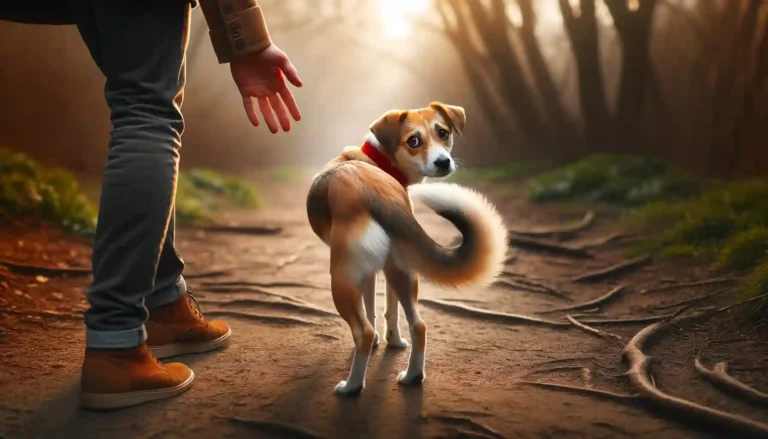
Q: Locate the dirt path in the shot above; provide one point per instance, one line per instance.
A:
(277, 377)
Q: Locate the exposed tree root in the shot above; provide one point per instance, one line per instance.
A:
(591, 330)
(28, 269)
(242, 230)
(743, 302)
(287, 261)
(594, 303)
(563, 360)
(276, 428)
(520, 285)
(264, 285)
(547, 246)
(690, 284)
(291, 306)
(629, 320)
(544, 232)
(470, 423)
(692, 301)
(207, 274)
(638, 375)
(253, 290)
(599, 242)
(582, 390)
(614, 270)
(556, 369)
(469, 311)
(460, 300)
(283, 320)
(720, 377)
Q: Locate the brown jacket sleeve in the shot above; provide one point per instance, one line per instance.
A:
(236, 27)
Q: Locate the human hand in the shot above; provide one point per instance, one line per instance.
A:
(262, 75)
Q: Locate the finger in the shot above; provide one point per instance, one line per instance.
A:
(291, 73)
(250, 111)
(290, 102)
(279, 108)
(266, 111)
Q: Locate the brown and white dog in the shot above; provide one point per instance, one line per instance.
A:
(360, 206)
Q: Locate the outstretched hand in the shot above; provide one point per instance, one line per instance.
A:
(262, 76)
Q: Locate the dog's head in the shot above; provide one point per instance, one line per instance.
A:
(421, 140)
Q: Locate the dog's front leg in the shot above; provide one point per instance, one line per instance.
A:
(392, 315)
(368, 289)
(405, 285)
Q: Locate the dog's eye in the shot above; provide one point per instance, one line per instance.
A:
(414, 141)
(443, 133)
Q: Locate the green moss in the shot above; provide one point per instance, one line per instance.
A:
(624, 180)
(27, 190)
(507, 172)
(200, 192)
(744, 250)
(756, 284)
(286, 174)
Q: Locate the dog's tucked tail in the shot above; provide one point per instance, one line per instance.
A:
(479, 258)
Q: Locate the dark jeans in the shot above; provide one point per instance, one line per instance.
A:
(140, 47)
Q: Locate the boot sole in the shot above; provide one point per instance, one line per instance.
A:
(176, 349)
(107, 401)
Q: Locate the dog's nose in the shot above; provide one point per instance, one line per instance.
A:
(443, 163)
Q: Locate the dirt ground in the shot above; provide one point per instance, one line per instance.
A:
(277, 377)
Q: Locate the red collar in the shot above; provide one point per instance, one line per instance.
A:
(383, 163)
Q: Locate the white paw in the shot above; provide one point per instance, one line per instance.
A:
(397, 342)
(344, 389)
(405, 379)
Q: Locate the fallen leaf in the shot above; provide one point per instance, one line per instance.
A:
(58, 296)
(41, 279)
(18, 292)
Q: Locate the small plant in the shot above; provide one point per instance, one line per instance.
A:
(744, 250)
(200, 192)
(30, 192)
(624, 180)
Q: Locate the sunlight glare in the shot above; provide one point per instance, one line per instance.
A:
(396, 16)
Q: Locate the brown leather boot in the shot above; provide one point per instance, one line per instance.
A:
(114, 378)
(179, 328)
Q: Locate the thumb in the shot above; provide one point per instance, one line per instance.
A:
(290, 72)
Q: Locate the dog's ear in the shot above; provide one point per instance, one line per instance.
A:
(387, 128)
(454, 115)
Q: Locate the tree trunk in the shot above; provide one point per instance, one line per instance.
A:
(567, 137)
(583, 36)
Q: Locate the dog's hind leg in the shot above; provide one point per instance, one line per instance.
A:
(405, 286)
(368, 289)
(354, 263)
(349, 303)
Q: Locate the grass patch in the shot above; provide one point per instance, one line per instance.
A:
(742, 250)
(286, 174)
(624, 180)
(30, 191)
(728, 223)
(495, 174)
(201, 192)
(756, 284)
(681, 214)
